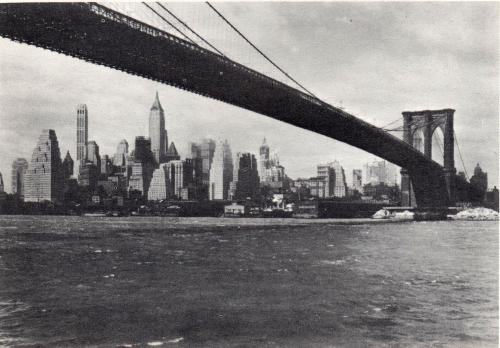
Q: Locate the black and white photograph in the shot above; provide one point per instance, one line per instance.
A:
(249, 174)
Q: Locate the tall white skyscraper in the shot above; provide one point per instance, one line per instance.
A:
(221, 171)
(82, 133)
(157, 131)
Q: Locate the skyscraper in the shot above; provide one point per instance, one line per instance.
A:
(245, 182)
(160, 184)
(1, 183)
(357, 183)
(181, 176)
(340, 183)
(263, 160)
(221, 172)
(19, 169)
(157, 132)
(202, 155)
(106, 166)
(82, 133)
(44, 179)
(143, 165)
(326, 174)
(172, 154)
(93, 154)
(67, 166)
(119, 159)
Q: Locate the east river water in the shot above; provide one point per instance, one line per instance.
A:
(196, 282)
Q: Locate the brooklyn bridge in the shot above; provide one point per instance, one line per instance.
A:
(89, 31)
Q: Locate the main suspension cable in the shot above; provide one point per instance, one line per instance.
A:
(460, 154)
(259, 51)
(169, 23)
(190, 29)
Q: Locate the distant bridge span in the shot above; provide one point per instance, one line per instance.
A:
(102, 36)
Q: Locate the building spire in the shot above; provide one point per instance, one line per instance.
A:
(156, 104)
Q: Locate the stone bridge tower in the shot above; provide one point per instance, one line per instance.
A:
(428, 121)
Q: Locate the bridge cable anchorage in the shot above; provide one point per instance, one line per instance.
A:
(190, 29)
(169, 23)
(262, 53)
(460, 154)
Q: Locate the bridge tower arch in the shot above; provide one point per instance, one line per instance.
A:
(418, 123)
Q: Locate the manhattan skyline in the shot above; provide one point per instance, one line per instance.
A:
(41, 89)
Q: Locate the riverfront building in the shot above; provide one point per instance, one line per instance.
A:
(221, 172)
(19, 169)
(157, 131)
(44, 179)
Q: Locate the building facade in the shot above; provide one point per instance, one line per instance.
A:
(172, 154)
(221, 172)
(181, 178)
(67, 166)
(326, 174)
(120, 157)
(82, 132)
(44, 178)
(93, 154)
(357, 180)
(340, 182)
(19, 169)
(246, 183)
(159, 188)
(271, 173)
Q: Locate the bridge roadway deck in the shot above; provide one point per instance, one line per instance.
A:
(99, 35)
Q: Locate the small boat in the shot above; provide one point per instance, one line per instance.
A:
(95, 214)
(172, 211)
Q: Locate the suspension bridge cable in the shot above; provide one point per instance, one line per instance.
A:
(169, 23)
(259, 51)
(390, 123)
(460, 154)
(190, 29)
(440, 145)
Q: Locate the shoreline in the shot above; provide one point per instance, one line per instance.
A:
(220, 221)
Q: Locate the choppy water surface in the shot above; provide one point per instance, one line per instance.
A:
(111, 282)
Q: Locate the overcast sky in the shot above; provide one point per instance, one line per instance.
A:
(374, 59)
